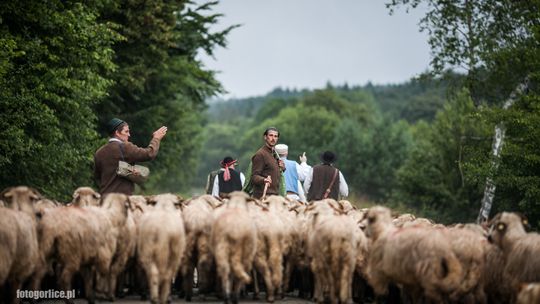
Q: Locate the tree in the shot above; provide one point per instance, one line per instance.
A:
(433, 179)
(55, 62)
(372, 154)
(159, 81)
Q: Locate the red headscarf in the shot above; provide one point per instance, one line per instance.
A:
(226, 165)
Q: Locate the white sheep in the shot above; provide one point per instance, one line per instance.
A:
(19, 251)
(198, 219)
(85, 196)
(160, 245)
(234, 243)
(332, 247)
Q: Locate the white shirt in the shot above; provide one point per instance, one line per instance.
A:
(215, 187)
(343, 188)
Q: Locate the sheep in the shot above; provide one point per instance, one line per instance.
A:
(19, 251)
(161, 245)
(496, 286)
(81, 239)
(470, 245)
(85, 196)
(529, 293)
(198, 219)
(419, 259)
(125, 244)
(272, 242)
(332, 246)
(134, 274)
(234, 244)
(520, 249)
(402, 219)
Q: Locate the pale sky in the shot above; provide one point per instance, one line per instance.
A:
(307, 43)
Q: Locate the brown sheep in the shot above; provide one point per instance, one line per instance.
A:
(160, 245)
(520, 249)
(470, 245)
(529, 294)
(234, 244)
(496, 286)
(419, 259)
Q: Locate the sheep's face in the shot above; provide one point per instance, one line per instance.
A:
(378, 218)
(138, 204)
(20, 198)
(504, 226)
(85, 196)
(165, 201)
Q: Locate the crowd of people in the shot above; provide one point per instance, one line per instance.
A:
(269, 173)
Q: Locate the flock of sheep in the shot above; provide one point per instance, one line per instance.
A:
(328, 249)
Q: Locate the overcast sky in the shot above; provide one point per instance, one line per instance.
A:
(307, 43)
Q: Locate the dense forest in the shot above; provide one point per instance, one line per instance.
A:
(427, 146)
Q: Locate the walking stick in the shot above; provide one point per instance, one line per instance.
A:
(264, 191)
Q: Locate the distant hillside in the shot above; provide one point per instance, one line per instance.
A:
(226, 110)
(412, 100)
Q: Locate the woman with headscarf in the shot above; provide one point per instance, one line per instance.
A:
(228, 179)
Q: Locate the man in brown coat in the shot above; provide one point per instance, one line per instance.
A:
(266, 166)
(119, 148)
(325, 178)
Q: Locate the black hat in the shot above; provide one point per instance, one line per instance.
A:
(227, 161)
(113, 124)
(328, 157)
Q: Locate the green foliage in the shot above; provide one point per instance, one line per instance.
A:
(346, 120)
(54, 60)
(67, 67)
(372, 154)
(497, 42)
(432, 180)
(160, 82)
(518, 175)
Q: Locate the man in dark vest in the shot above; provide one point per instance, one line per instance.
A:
(325, 181)
(228, 179)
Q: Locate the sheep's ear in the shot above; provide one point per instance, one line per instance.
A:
(96, 195)
(524, 220)
(35, 194)
(7, 193)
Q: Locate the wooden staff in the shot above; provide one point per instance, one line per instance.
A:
(264, 191)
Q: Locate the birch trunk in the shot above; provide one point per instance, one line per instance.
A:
(498, 141)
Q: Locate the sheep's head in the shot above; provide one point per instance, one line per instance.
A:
(117, 202)
(506, 226)
(20, 198)
(85, 196)
(378, 219)
(138, 204)
(165, 201)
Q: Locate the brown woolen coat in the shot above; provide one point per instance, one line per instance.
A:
(106, 162)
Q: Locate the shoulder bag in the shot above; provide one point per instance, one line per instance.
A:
(135, 173)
